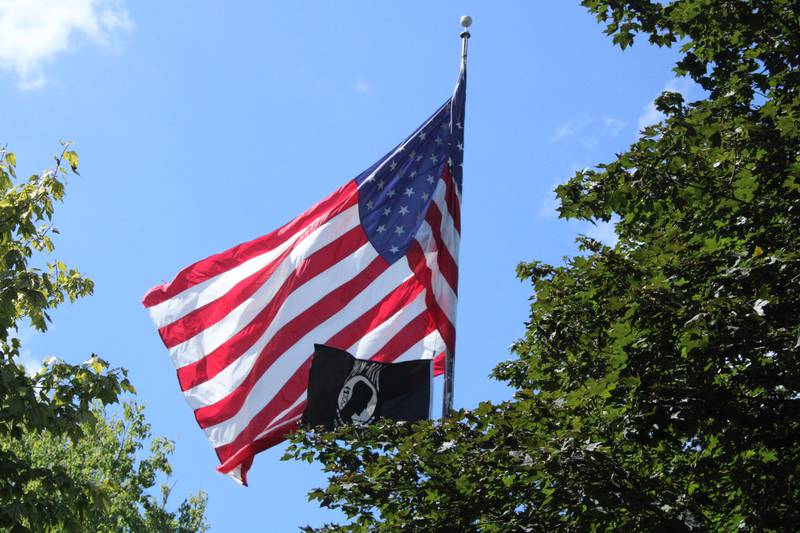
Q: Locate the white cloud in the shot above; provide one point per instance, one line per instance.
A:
(651, 115)
(613, 125)
(591, 130)
(31, 364)
(363, 87)
(33, 32)
(567, 130)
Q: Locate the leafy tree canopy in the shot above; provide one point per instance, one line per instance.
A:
(658, 380)
(109, 458)
(63, 466)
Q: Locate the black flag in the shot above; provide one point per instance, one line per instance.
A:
(346, 390)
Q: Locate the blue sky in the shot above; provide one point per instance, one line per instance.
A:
(204, 124)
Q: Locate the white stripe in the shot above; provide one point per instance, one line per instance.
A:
(203, 293)
(427, 348)
(368, 346)
(442, 291)
(271, 426)
(450, 235)
(298, 301)
(272, 381)
(215, 335)
(236, 474)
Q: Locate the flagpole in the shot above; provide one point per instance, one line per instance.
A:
(449, 357)
(466, 22)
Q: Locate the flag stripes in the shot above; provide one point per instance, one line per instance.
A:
(297, 284)
(207, 269)
(240, 326)
(320, 250)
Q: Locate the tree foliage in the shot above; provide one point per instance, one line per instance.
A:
(658, 382)
(60, 402)
(109, 457)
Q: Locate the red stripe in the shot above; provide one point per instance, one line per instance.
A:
(244, 455)
(291, 391)
(287, 336)
(403, 295)
(212, 364)
(203, 317)
(390, 305)
(438, 364)
(416, 260)
(240, 450)
(406, 338)
(206, 269)
(451, 199)
(447, 265)
(411, 333)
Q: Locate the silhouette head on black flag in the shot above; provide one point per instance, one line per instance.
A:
(357, 403)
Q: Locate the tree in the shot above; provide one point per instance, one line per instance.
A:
(109, 458)
(658, 382)
(61, 402)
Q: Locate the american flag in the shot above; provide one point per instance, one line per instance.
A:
(372, 269)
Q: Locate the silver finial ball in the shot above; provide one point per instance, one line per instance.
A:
(466, 21)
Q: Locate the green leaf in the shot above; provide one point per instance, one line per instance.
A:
(72, 159)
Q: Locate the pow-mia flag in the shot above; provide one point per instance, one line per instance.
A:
(346, 390)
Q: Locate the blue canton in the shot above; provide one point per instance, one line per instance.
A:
(395, 193)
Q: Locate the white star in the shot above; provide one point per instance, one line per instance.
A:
(430, 179)
(399, 230)
(409, 192)
(460, 146)
(394, 249)
(419, 158)
(413, 154)
(434, 159)
(412, 174)
(391, 193)
(387, 211)
(371, 178)
(439, 141)
(369, 204)
(423, 136)
(403, 210)
(393, 165)
(425, 197)
(459, 126)
(381, 184)
(381, 228)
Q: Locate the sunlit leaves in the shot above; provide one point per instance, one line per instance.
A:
(71, 157)
(109, 472)
(56, 400)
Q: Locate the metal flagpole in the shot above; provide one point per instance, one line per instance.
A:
(449, 358)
